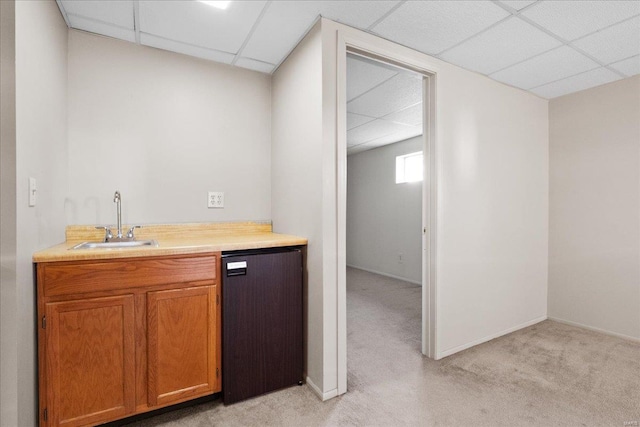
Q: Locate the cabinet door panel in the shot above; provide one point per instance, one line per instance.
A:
(183, 355)
(91, 360)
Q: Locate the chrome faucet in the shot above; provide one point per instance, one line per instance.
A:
(117, 199)
(119, 237)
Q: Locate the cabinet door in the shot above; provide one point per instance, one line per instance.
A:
(90, 360)
(182, 344)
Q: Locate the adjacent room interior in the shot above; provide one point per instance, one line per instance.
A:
(384, 215)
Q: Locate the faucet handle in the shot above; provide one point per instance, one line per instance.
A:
(130, 232)
(107, 232)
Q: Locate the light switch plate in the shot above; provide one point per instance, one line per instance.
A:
(32, 192)
(216, 199)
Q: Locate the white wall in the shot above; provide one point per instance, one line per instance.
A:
(384, 219)
(41, 135)
(296, 182)
(594, 233)
(8, 309)
(491, 198)
(164, 129)
(493, 209)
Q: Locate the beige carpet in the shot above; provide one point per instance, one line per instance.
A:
(549, 374)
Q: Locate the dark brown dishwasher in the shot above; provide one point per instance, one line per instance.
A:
(261, 322)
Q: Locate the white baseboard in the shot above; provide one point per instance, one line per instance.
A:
(592, 328)
(451, 351)
(322, 395)
(404, 279)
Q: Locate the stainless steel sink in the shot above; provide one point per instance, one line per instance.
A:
(116, 245)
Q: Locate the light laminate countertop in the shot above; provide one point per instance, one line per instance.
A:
(173, 239)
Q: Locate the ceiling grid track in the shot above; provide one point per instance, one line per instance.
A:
(373, 88)
(250, 34)
(97, 21)
(495, 24)
(569, 44)
(63, 12)
(557, 80)
(514, 13)
(564, 42)
(386, 15)
(525, 60)
(190, 44)
(524, 31)
(298, 42)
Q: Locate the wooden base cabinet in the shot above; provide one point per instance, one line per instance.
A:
(182, 348)
(121, 337)
(90, 360)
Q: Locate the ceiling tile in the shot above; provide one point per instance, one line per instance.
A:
(395, 94)
(278, 32)
(433, 26)
(629, 66)
(98, 27)
(614, 43)
(409, 116)
(573, 19)
(252, 64)
(554, 65)
(582, 81)
(198, 24)
(355, 120)
(507, 43)
(374, 130)
(285, 22)
(363, 75)
(173, 46)
(385, 140)
(517, 4)
(353, 13)
(407, 133)
(118, 13)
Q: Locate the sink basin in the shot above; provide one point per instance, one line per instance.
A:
(117, 245)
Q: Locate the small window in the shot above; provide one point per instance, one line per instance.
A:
(409, 168)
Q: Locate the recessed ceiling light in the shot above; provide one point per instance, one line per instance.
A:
(217, 4)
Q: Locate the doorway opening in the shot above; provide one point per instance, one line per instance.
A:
(383, 217)
(386, 207)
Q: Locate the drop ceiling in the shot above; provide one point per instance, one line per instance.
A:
(548, 47)
(384, 104)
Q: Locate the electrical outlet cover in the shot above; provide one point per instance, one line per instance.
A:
(215, 199)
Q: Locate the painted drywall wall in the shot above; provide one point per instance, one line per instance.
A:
(594, 230)
(384, 219)
(493, 219)
(491, 198)
(8, 309)
(164, 129)
(41, 152)
(296, 181)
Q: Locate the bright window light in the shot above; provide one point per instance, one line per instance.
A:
(409, 168)
(216, 4)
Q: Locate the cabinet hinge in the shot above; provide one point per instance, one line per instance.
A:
(217, 373)
(217, 299)
(44, 322)
(45, 415)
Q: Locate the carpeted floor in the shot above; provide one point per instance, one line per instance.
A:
(549, 374)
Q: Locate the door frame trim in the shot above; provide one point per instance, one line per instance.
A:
(353, 41)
